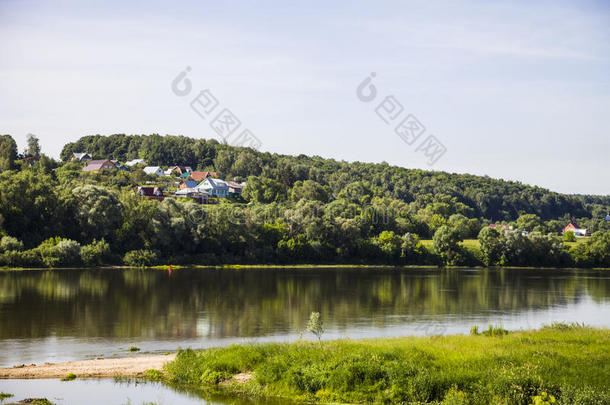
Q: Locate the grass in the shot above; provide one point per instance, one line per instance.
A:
(4, 395)
(567, 361)
(134, 349)
(69, 377)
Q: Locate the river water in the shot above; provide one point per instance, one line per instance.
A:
(60, 315)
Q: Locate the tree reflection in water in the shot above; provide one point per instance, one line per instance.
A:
(248, 303)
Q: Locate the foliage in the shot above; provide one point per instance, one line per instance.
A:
(8, 152)
(69, 377)
(33, 148)
(315, 325)
(295, 209)
(95, 253)
(446, 245)
(567, 365)
(569, 236)
(490, 242)
(141, 258)
(10, 243)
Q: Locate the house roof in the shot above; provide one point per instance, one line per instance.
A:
(136, 162)
(80, 155)
(233, 184)
(94, 165)
(189, 183)
(152, 169)
(214, 183)
(149, 191)
(198, 176)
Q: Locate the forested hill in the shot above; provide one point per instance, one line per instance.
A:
(484, 197)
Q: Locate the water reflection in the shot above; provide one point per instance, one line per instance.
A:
(96, 310)
(107, 391)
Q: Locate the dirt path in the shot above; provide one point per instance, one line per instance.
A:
(124, 367)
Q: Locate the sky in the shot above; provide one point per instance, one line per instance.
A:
(515, 90)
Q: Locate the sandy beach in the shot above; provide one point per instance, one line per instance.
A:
(99, 368)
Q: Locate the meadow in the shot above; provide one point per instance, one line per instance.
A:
(561, 363)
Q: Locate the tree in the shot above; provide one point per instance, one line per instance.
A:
(8, 152)
(263, 190)
(446, 244)
(569, 236)
(33, 148)
(310, 190)
(527, 222)
(490, 241)
(97, 210)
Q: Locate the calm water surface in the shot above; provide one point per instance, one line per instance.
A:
(109, 392)
(60, 315)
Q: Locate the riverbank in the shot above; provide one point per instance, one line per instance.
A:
(165, 267)
(98, 368)
(569, 362)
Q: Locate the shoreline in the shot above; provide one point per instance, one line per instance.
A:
(135, 366)
(302, 266)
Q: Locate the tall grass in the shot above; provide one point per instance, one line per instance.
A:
(572, 365)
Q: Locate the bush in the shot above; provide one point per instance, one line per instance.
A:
(569, 236)
(69, 377)
(141, 258)
(95, 253)
(59, 252)
(8, 243)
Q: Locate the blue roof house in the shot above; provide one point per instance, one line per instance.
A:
(214, 187)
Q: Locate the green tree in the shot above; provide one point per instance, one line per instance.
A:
(33, 148)
(8, 152)
(527, 222)
(97, 211)
(446, 244)
(490, 241)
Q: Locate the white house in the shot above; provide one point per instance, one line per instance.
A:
(81, 157)
(154, 170)
(135, 162)
(214, 187)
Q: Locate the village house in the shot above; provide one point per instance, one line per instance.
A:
(154, 171)
(578, 231)
(180, 169)
(151, 192)
(97, 165)
(81, 157)
(136, 162)
(197, 194)
(199, 176)
(235, 189)
(214, 187)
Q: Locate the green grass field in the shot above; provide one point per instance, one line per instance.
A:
(569, 362)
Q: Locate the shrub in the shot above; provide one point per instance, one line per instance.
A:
(569, 236)
(8, 243)
(95, 253)
(69, 377)
(141, 258)
(57, 251)
(315, 325)
(154, 375)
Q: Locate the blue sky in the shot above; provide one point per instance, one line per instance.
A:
(514, 90)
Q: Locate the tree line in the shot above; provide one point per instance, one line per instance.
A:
(294, 209)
